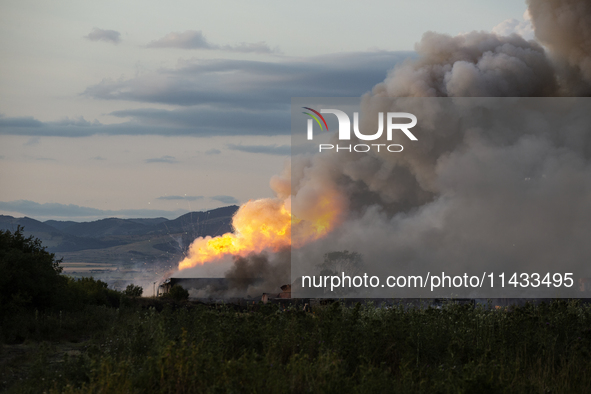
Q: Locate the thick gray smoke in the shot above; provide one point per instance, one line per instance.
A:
(257, 273)
(476, 64)
(564, 27)
(504, 192)
(481, 187)
(238, 276)
(481, 64)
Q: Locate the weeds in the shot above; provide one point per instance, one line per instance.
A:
(203, 349)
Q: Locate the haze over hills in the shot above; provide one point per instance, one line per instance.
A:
(119, 241)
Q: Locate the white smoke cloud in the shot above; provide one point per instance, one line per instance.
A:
(523, 27)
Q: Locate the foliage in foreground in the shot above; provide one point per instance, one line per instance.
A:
(195, 348)
(177, 293)
(133, 291)
(30, 281)
(78, 336)
(30, 276)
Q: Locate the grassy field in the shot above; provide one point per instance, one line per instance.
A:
(149, 345)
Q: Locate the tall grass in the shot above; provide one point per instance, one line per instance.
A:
(204, 349)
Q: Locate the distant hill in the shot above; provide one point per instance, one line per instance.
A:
(149, 221)
(60, 225)
(69, 236)
(54, 239)
(215, 222)
(106, 227)
(31, 225)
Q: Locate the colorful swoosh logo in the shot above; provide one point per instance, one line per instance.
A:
(315, 118)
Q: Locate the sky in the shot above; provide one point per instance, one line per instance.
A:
(152, 108)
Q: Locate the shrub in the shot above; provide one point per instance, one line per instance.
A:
(90, 291)
(133, 290)
(178, 293)
(30, 275)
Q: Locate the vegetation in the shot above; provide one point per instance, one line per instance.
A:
(199, 348)
(177, 293)
(30, 276)
(31, 281)
(133, 291)
(143, 345)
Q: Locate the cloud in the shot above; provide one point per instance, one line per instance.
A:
(27, 121)
(77, 121)
(98, 158)
(185, 197)
(34, 209)
(282, 150)
(242, 84)
(204, 121)
(245, 47)
(192, 121)
(213, 152)
(163, 159)
(97, 34)
(190, 39)
(66, 127)
(32, 141)
(194, 39)
(220, 97)
(222, 198)
(225, 199)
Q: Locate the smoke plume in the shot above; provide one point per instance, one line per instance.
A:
(504, 192)
(477, 64)
(474, 189)
(564, 28)
(258, 273)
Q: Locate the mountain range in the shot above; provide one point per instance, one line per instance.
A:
(124, 239)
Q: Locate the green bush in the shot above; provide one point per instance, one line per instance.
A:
(133, 291)
(89, 291)
(177, 293)
(30, 276)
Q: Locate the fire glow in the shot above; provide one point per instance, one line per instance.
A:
(268, 224)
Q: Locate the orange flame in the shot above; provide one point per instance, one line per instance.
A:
(268, 224)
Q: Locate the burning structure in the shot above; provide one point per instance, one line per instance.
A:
(198, 284)
(461, 189)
